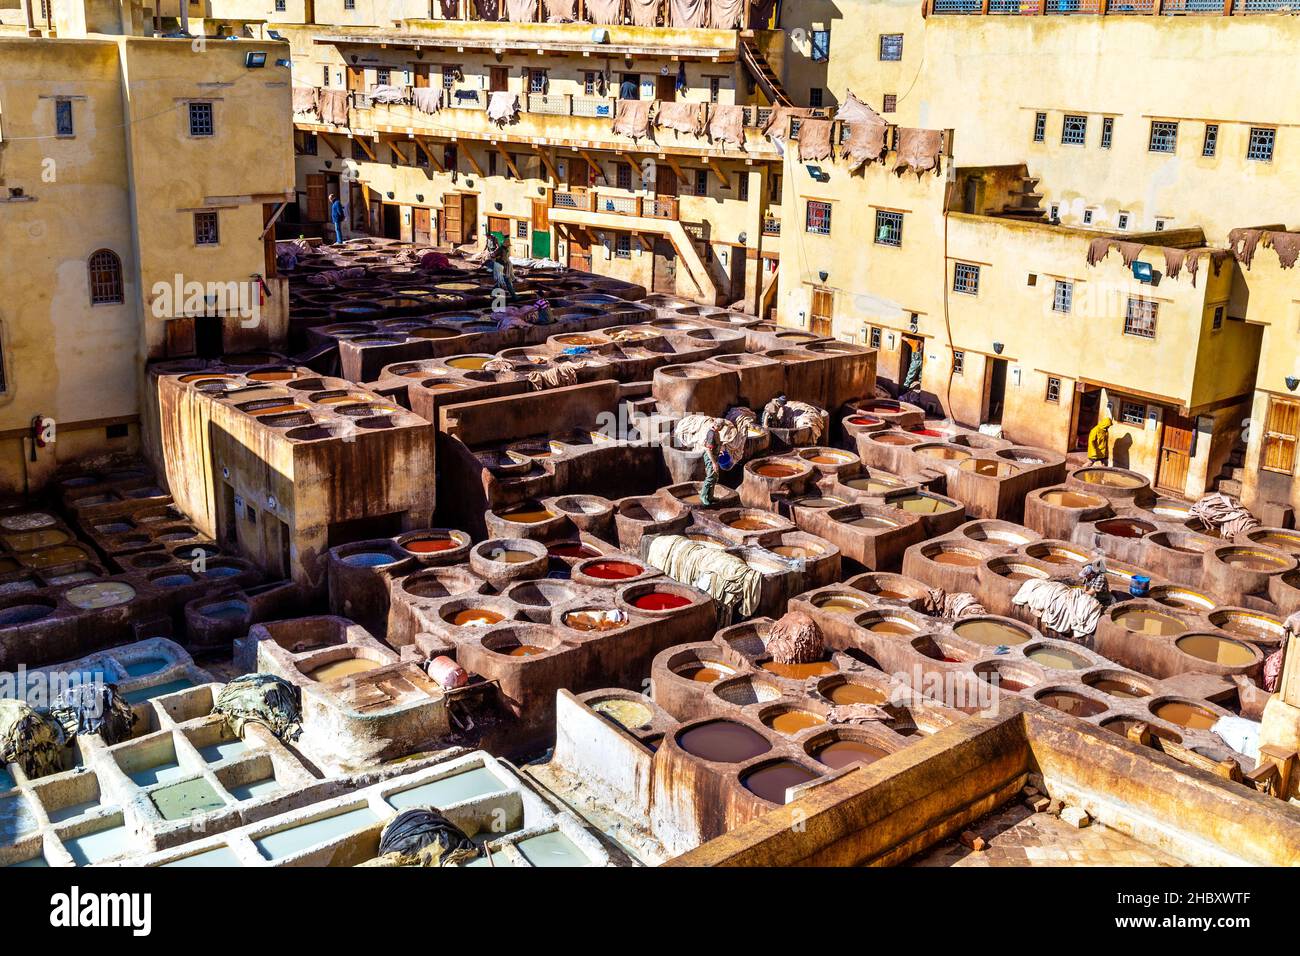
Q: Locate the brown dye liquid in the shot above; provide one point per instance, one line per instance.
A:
(1274, 539)
(347, 667)
(944, 454)
(472, 362)
(1248, 627)
(1110, 479)
(1216, 650)
(793, 721)
(477, 617)
(921, 504)
(845, 753)
(1071, 703)
(1117, 688)
(886, 626)
(1254, 561)
(843, 605)
(846, 693)
(1187, 715)
(828, 460)
(870, 521)
(273, 376)
(800, 671)
(1057, 660)
(1124, 528)
(776, 471)
(1072, 499)
(280, 409)
(1150, 622)
(820, 502)
(31, 540)
(893, 595)
(891, 439)
(592, 621)
(1000, 680)
(956, 558)
(529, 515)
(771, 782)
(704, 673)
(1057, 556)
(51, 557)
(990, 633)
(526, 650)
(724, 742)
(749, 524)
(510, 555)
(793, 551)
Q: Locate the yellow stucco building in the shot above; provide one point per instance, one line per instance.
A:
(1061, 124)
(137, 179)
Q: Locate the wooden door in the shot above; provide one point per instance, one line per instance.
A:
(1280, 435)
(421, 226)
(500, 224)
(356, 78)
(666, 88)
(821, 320)
(1177, 441)
(541, 230)
(665, 266)
(580, 250)
(469, 217)
(420, 74)
(452, 233)
(317, 198)
(500, 80)
(665, 180)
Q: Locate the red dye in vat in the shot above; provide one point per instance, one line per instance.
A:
(612, 570)
(572, 551)
(928, 432)
(660, 601)
(865, 420)
(429, 545)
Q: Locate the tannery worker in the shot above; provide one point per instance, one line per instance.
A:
(776, 413)
(721, 441)
(1099, 441)
(336, 217)
(499, 262)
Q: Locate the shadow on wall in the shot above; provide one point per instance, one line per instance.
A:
(1119, 451)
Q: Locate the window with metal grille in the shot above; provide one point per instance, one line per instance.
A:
(205, 229)
(1140, 318)
(966, 278)
(383, 76)
(1280, 431)
(1164, 137)
(1074, 130)
(815, 97)
(589, 83)
(623, 246)
(715, 87)
(1210, 145)
(891, 46)
(821, 45)
(1132, 413)
(1107, 131)
(889, 103)
(105, 278)
(1217, 322)
(325, 75)
(958, 362)
(742, 187)
(349, 4)
(1062, 296)
(201, 119)
(1260, 146)
(874, 338)
(1087, 217)
(521, 229)
(358, 151)
(889, 228)
(1121, 221)
(279, 6)
(623, 176)
(448, 77)
(537, 81)
(1040, 127)
(914, 322)
(63, 117)
(1054, 390)
(701, 182)
(819, 217)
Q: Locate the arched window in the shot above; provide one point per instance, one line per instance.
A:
(105, 277)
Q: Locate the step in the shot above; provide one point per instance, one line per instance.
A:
(1229, 486)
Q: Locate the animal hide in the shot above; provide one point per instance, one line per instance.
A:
(815, 139)
(690, 13)
(645, 13)
(918, 150)
(521, 11)
(683, 117)
(727, 125)
(604, 11)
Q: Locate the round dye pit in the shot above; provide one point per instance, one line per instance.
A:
(704, 672)
(1004, 678)
(1057, 555)
(921, 504)
(1216, 650)
(801, 672)
(955, 557)
(1108, 478)
(613, 570)
(795, 551)
(866, 420)
(53, 557)
(592, 619)
(23, 614)
(1185, 714)
(771, 781)
(472, 363)
(31, 540)
(943, 453)
(626, 713)
(175, 580)
(1149, 622)
(869, 522)
(751, 523)
(1282, 540)
(1068, 702)
(509, 555)
(989, 468)
(1251, 627)
(1057, 658)
(845, 753)
(990, 633)
(791, 722)
(1122, 725)
(660, 601)
(895, 438)
(529, 514)
(345, 667)
(430, 545)
(477, 617)
(1117, 686)
(723, 741)
(1251, 560)
(1125, 527)
(1072, 499)
(840, 604)
(848, 693)
(879, 623)
(572, 550)
(369, 559)
(1183, 598)
(872, 486)
(819, 502)
(27, 522)
(521, 650)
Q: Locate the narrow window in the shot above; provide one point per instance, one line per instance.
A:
(742, 187)
(589, 83)
(889, 228)
(325, 75)
(63, 117)
(349, 4)
(966, 278)
(383, 76)
(1140, 318)
(1211, 143)
(874, 338)
(201, 119)
(1107, 131)
(1062, 296)
(1040, 127)
(1217, 322)
(1260, 147)
(818, 220)
(701, 182)
(105, 278)
(821, 45)
(537, 81)
(1164, 137)
(623, 177)
(623, 246)
(958, 362)
(1087, 217)
(1054, 390)
(521, 229)
(279, 6)
(889, 103)
(205, 229)
(1121, 222)
(815, 97)
(715, 87)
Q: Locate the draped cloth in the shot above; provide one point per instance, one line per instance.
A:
(727, 125)
(427, 99)
(561, 10)
(488, 9)
(814, 139)
(333, 107)
(645, 13)
(726, 578)
(1065, 609)
(690, 13)
(632, 118)
(603, 11)
(503, 107)
(305, 99)
(725, 14)
(683, 117)
(1098, 249)
(521, 11)
(918, 150)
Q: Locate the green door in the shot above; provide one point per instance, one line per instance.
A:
(541, 244)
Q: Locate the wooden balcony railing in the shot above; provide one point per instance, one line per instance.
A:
(1105, 8)
(467, 10)
(583, 200)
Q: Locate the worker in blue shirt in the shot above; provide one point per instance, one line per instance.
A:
(336, 217)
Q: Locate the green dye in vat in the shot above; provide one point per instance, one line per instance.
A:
(158, 690)
(499, 859)
(457, 788)
(74, 810)
(278, 845)
(552, 849)
(223, 750)
(100, 845)
(182, 800)
(220, 856)
(146, 665)
(255, 788)
(159, 773)
(16, 819)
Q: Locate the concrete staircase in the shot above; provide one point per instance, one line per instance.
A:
(1232, 476)
(1027, 202)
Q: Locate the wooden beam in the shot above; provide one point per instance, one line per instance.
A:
(472, 161)
(726, 180)
(330, 143)
(434, 161)
(594, 165)
(271, 224)
(645, 241)
(546, 161)
(365, 147)
(401, 154)
(681, 173)
(510, 162)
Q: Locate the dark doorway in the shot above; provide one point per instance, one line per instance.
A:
(207, 337)
(665, 267)
(1086, 420)
(995, 386)
(392, 221)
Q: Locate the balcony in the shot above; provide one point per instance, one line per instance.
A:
(584, 200)
(1103, 8)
